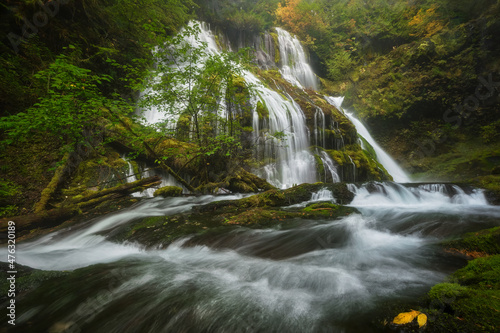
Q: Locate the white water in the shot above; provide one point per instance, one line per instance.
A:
(87, 245)
(330, 275)
(295, 66)
(424, 196)
(289, 161)
(382, 157)
(294, 162)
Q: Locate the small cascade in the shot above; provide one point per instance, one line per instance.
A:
(323, 195)
(295, 67)
(336, 101)
(353, 170)
(329, 165)
(319, 128)
(383, 158)
(375, 194)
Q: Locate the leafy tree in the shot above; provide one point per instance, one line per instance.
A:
(201, 93)
(71, 109)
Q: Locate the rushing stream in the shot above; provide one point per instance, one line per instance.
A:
(301, 276)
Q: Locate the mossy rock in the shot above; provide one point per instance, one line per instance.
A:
(168, 191)
(277, 198)
(477, 244)
(469, 301)
(320, 205)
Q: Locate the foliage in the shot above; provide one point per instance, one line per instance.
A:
(71, 108)
(491, 132)
(408, 317)
(426, 22)
(301, 18)
(235, 17)
(202, 95)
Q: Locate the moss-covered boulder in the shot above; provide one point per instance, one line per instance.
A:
(469, 301)
(168, 191)
(477, 244)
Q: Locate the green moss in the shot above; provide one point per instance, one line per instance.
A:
(276, 47)
(469, 301)
(321, 205)
(444, 292)
(480, 273)
(262, 110)
(168, 191)
(320, 168)
(481, 243)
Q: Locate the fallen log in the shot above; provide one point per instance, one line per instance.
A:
(54, 217)
(124, 189)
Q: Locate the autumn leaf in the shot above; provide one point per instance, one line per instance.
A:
(405, 317)
(422, 319)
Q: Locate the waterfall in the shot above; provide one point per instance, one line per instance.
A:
(375, 194)
(383, 158)
(293, 162)
(285, 158)
(329, 165)
(295, 66)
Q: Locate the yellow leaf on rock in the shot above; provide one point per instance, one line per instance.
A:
(405, 317)
(422, 320)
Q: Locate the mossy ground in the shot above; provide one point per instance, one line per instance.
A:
(476, 244)
(28, 166)
(469, 300)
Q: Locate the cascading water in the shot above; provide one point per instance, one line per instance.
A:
(319, 276)
(288, 160)
(295, 66)
(293, 160)
(329, 166)
(389, 164)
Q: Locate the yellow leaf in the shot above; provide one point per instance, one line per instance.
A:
(405, 317)
(422, 320)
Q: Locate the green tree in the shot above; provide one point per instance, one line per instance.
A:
(203, 97)
(199, 89)
(71, 109)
